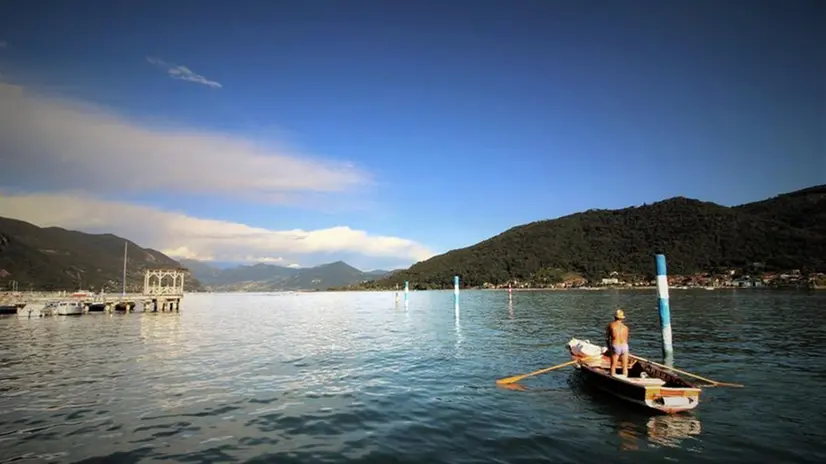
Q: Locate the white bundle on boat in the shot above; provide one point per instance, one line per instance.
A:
(584, 348)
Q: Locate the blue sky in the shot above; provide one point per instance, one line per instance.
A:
(444, 124)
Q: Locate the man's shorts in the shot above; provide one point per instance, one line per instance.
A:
(619, 349)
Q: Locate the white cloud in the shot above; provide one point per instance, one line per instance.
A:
(265, 260)
(60, 144)
(269, 260)
(181, 252)
(183, 73)
(185, 236)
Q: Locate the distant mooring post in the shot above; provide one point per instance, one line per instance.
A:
(665, 310)
(456, 294)
(406, 292)
(397, 295)
(510, 291)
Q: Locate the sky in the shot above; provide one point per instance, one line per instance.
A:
(383, 133)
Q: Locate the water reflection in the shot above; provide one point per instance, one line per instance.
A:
(672, 430)
(510, 306)
(629, 436)
(459, 338)
(162, 329)
(663, 430)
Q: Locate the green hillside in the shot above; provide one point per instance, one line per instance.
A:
(53, 258)
(784, 232)
(803, 209)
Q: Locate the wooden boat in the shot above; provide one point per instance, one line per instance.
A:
(646, 384)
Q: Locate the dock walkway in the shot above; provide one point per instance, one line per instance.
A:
(163, 291)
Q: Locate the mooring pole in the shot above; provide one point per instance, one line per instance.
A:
(665, 310)
(456, 295)
(406, 291)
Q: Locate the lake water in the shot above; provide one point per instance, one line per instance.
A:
(351, 377)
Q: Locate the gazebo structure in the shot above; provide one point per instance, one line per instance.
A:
(165, 288)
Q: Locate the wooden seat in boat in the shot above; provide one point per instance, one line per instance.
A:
(652, 381)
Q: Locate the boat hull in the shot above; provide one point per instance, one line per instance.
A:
(67, 308)
(69, 311)
(646, 384)
(667, 400)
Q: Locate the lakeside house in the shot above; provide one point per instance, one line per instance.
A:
(727, 278)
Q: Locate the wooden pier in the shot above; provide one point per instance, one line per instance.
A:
(163, 290)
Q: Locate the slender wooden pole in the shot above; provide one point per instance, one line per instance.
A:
(713, 382)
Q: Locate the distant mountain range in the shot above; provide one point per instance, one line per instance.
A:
(269, 277)
(53, 258)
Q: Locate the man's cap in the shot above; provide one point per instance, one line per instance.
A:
(619, 314)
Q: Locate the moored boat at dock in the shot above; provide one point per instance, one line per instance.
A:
(66, 308)
(646, 384)
(32, 310)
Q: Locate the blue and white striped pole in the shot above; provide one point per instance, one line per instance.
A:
(406, 291)
(665, 310)
(456, 294)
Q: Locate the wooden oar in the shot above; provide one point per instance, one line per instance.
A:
(712, 382)
(517, 378)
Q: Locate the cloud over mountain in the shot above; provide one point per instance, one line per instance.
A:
(183, 236)
(64, 161)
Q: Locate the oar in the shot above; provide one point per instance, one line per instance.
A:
(517, 378)
(712, 382)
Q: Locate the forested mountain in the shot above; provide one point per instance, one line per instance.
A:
(804, 209)
(53, 258)
(783, 232)
(269, 277)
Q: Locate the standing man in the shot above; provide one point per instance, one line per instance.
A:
(617, 337)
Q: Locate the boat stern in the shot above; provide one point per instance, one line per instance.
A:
(672, 400)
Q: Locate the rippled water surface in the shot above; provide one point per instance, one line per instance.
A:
(351, 377)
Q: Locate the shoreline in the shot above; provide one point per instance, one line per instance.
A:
(584, 289)
(41, 294)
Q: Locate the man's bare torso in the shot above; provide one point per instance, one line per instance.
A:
(618, 332)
